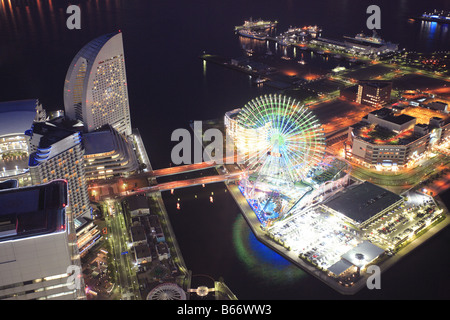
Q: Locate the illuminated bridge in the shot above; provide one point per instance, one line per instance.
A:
(165, 186)
(180, 169)
(103, 188)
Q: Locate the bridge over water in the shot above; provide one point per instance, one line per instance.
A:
(165, 186)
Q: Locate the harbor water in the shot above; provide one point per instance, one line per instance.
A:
(169, 86)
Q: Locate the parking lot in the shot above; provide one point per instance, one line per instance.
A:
(403, 222)
(316, 235)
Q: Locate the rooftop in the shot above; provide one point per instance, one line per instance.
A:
(363, 43)
(138, 233)
(16, 117)
(340, 266)
(376, 84)
(363, 201)
(137, 202)
(362, 254)
(9, 184)
(50, 133)
(376, 134)
(142, 251)
(92, 48)
(99, 142)
(388, 115)
(162, 248)
(42, 212)
(400, 119)
(81, 222)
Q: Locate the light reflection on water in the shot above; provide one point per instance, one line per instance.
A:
(262, 262)
(432, 32)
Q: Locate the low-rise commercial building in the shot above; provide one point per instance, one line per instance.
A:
(163, 251)
(361, 204)
(138, 234)
(438, 105)
(138, 205)
(386, 139)
(360, 44)
(142, 254)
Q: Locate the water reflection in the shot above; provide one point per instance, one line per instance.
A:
(263, 263)
(432, 32)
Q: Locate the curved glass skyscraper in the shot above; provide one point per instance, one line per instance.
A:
(95, 89)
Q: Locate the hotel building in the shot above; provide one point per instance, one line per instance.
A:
(57, 153)
(95, 88)
(107, 154)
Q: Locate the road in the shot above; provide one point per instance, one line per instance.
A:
(125, 280)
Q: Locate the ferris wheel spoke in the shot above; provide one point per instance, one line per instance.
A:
(279, 136)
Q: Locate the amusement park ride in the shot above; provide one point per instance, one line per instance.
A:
(283, 147)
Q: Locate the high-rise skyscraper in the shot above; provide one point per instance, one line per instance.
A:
(38, 252)
(57, 153)
(95, 89)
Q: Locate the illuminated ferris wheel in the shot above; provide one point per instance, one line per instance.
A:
(279, 138)
(167, 291)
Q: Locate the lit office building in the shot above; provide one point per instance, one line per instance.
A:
(95, 89)
(57, 153)
(369, 93)
(38, 254)
(374, 94)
